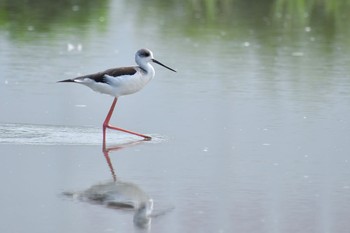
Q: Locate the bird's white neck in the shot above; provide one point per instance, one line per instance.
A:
(148, 69)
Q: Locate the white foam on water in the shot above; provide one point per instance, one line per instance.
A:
(32, 134)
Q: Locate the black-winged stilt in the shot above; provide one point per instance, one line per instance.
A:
(121, 81)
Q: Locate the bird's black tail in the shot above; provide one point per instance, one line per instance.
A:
(66, 81)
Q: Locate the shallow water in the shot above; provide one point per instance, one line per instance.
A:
(250, 135)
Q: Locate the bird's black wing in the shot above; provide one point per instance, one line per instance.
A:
(100, 76)
(114, 72)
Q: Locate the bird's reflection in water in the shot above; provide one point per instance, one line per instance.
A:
(118, 194)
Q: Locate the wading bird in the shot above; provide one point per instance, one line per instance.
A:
(121, 81)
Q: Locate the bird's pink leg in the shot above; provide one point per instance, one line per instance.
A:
(107, 125)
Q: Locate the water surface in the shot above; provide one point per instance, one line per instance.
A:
(250, 135)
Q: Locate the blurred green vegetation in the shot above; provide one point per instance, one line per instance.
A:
(22, 18)
(305, 12)
(192, 17)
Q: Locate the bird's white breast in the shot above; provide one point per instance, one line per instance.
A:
(129, 84)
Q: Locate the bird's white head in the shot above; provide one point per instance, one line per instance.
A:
(145, 56)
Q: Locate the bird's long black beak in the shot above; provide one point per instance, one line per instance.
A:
(155, 61)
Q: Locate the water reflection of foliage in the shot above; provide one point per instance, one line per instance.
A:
(254, 14)
(328, 15)
(22, 17)
(294, 10)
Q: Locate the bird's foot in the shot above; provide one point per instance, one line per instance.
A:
(146, 138)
